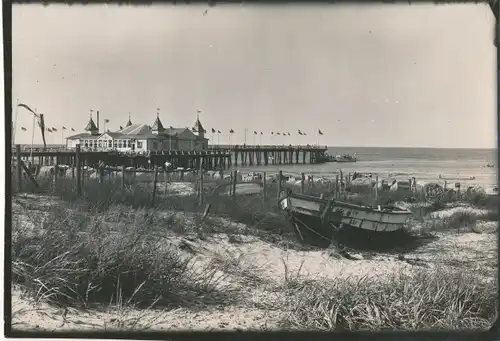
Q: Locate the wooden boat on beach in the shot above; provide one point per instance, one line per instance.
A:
(341, 214)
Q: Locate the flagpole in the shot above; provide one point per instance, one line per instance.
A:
(32, 139)
(15, 124)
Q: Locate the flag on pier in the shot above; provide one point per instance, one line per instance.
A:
(288, 134)
(213, 131)
(106, 120)
(272, 133)
(255, 133)
(218, 131)
(300, 133)
(64, 128)
(231, 131)
(121, 128)
(72, 129)
(261, 133)
(320, 132)
(284, 134)
(277, 133)
(23, 129)
(54, 129)
(48, 129)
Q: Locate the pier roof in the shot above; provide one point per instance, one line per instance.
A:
(157, 126)
(142, 131)
(197, 125)
(83, 136)
(91, 126)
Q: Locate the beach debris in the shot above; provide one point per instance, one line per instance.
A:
(187, 246)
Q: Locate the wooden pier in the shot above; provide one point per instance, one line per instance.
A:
(213, 159)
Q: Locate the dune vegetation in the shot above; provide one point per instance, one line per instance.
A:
(111, 259)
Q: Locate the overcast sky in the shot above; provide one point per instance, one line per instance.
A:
(366, 75)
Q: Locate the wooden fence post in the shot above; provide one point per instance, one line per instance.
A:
(280, 175)
(201, 183)
(235, 180)
(337, 186)
(101, 173)
(56, 169)
(78, 171)
(376, 188)
(155, 180)
(302, 179)
(122, 184)
(165, 180)
(19, 169)
(264, 189)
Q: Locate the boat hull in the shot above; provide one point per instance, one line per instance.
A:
(388, 219)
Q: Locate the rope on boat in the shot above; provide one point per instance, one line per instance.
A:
(307, 227)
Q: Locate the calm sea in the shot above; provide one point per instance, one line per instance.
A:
(425, 164)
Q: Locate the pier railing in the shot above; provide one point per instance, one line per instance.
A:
(211, 148)
(213, 159)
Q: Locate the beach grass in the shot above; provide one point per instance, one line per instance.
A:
(426, 299)
(113, 247)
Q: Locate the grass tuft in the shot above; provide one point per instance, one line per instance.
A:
(423, 300)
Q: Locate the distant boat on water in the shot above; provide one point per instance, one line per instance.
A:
(341, 158)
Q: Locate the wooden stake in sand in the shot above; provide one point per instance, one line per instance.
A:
(280, 175)
(155, 180)
(122, 184)
(78, 171)
(302, 179)
(264, 189)
(19, 170)
(201, 183)
(336, 186)
(235, 179)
